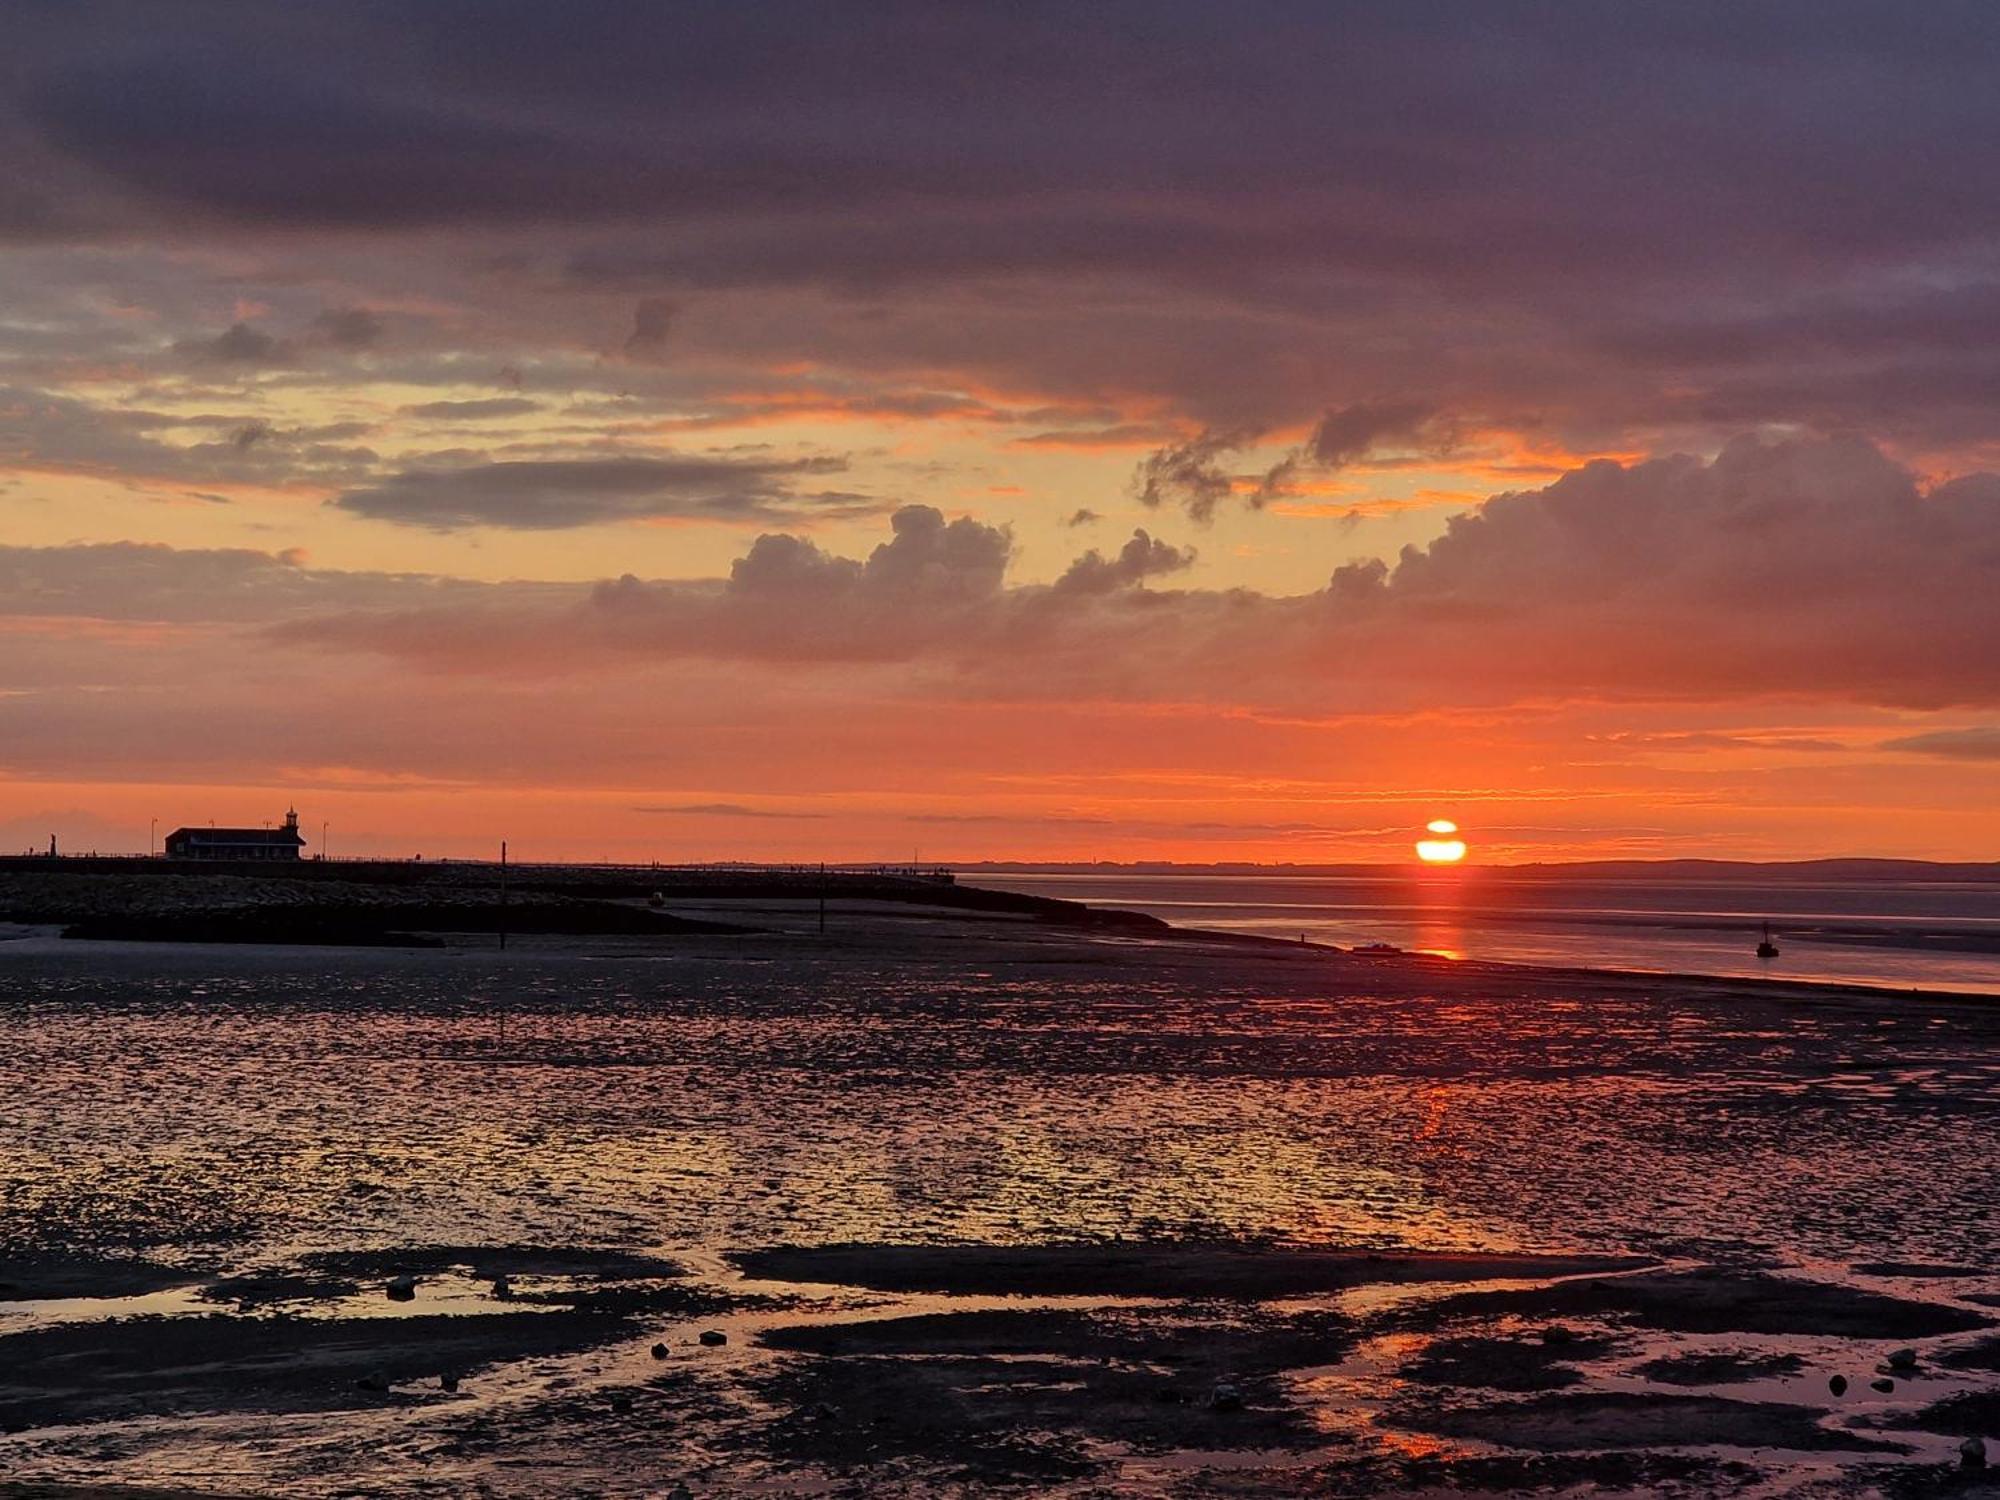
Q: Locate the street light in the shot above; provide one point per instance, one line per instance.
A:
(152, 835)
(322, 838)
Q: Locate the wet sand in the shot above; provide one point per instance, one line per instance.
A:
(1448, 1302)
(1087, 1370)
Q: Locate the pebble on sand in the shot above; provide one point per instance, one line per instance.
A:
(659, 1351)
(1972, 1453)
(714, 1337)
(447, 1382)
(1227, 1397)
(1901, 1359)
(1884, 1385)
(402, 1288)
(1838, 1385)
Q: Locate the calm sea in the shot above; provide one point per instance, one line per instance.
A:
(1932, 935)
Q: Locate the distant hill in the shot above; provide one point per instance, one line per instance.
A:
(1797, 869)
(1692, 870)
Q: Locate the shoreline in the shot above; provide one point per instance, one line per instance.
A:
(51, 939)
(457, 906)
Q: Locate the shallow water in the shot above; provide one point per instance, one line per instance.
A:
(239, 1105)
(1895, 934)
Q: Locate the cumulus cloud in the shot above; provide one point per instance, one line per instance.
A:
(1777, 568)
(549, 494)
(926, 558)
(1143, 557)
(1810, 569)
(929, 557)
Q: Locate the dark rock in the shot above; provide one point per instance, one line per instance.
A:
(1608, 1420)
(375, 1381)
(1707, 1301)
(1720, 1367)
(659, 1351)
(1902, 1359)
(167, 1366)
(402, 1288)
(447, 1382)
(1972, 1453)
(1502, 1364)
(1838, 1385)
(1227, 1397)
(1972, 1413)
(713, 1338)
(1884, 1385)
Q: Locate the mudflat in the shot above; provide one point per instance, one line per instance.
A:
(950, 1202)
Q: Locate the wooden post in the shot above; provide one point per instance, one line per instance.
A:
(503, 895)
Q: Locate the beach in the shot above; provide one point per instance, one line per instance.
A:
(961, 1199)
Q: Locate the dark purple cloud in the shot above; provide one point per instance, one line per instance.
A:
(652, 320)
(349, 327)
(549, 494)
(1659, 215)
(239, 344)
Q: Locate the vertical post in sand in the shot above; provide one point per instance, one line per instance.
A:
(503, 895)
(822, 898)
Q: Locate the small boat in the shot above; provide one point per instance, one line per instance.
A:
(1767, 948)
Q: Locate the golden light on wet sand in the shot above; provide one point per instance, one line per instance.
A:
(1444, 849)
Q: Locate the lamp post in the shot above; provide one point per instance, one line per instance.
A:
(322, 838)
(152, 836)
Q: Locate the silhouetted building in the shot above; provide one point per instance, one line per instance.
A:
(237, 843)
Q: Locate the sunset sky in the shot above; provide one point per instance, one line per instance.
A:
(1151, 431)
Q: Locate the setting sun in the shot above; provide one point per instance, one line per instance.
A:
(1445, 849)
